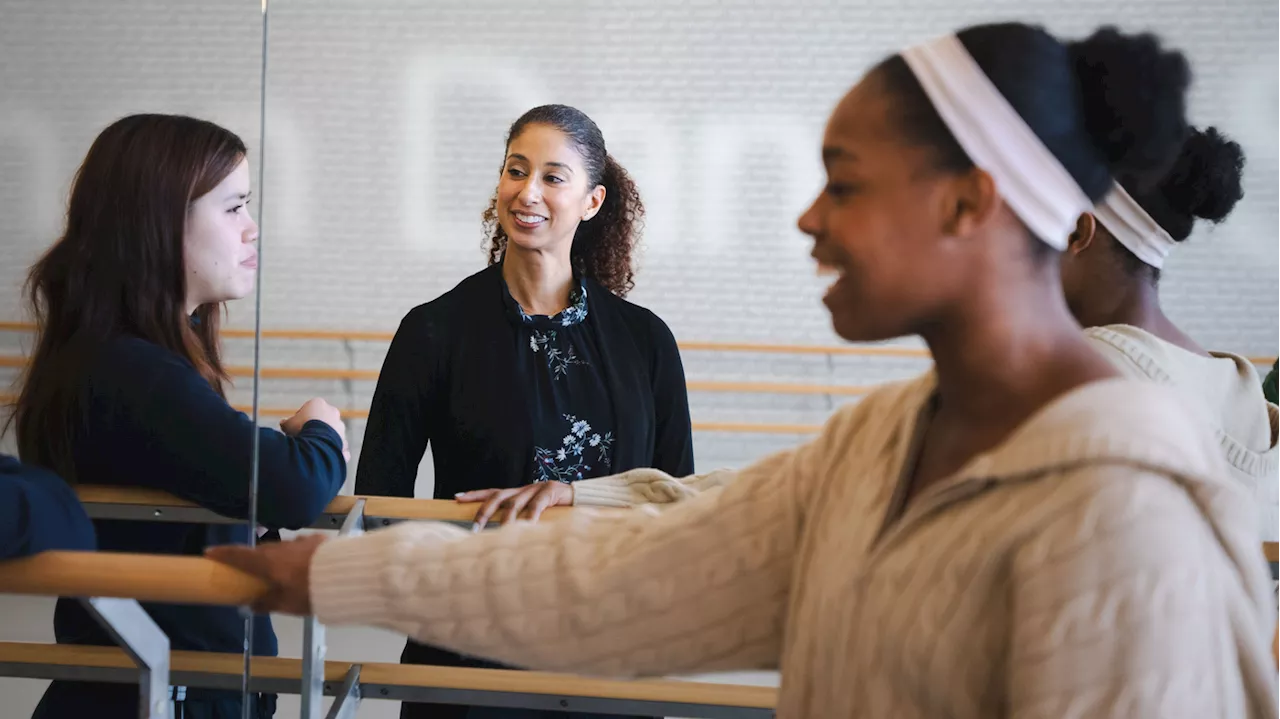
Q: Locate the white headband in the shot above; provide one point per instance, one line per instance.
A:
(1032, 182)
(1132, 227)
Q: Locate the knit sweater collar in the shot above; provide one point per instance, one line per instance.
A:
(1109, 421)
(1124, 422)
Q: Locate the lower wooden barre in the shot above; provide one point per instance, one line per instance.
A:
(145, 577)
(487, 687)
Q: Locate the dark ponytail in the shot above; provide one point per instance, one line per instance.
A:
(604, 246)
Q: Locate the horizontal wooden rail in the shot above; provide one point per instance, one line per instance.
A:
(147, 578)
(494, 687)
(141, 504)
(370, 375)
(1271, 550)
(366, 336)
(98, 498)
(690, 345)
(736, 427)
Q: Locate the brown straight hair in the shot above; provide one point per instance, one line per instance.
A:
(118, 269)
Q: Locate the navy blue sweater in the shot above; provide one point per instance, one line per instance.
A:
(39, 511)
(152, 421)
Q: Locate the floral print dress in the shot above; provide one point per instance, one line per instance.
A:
(568, 398)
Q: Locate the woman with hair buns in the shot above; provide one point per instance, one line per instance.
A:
(1019, 532)
(1110, 273)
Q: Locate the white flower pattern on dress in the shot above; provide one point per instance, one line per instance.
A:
(581, 450)
(570, 462)
(559, 360)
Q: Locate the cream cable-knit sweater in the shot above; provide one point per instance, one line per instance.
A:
(1099, 563)
(1227, 394)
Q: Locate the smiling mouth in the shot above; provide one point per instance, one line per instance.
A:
(525, 219)
(834, 272)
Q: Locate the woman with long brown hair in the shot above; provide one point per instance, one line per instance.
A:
(125, 384)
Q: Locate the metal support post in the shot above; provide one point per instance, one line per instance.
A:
(313, 639)
(146, 645)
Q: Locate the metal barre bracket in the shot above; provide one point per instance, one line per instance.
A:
(146, 645)
(313, 645)
(348, 698)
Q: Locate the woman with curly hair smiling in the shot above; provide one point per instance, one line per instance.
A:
(533, 372)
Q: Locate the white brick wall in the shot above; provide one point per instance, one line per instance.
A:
(385, 123)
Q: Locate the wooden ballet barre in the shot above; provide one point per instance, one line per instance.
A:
(367, 336)
(732, 427)
(370, 375)
(485, 687)
(691, 345)
(140, 504)
(144, 577)
(1272, 551)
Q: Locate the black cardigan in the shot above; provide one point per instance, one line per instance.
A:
(449, 378)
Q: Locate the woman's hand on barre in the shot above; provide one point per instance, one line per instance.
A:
(284, 566)
(526, 502)
(319, 409)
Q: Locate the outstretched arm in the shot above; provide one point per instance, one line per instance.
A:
(701, 587)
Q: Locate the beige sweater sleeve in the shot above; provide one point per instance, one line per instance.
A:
(1135, 559)
(700, 587)
(646, 486)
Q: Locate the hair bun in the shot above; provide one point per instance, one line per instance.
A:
(1133, 94)
(1205, 180)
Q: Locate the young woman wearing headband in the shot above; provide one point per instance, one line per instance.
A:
(1019, 532)
(1110, 273)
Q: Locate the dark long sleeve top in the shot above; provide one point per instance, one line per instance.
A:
(506, 399)
(489, 388)
(39, 511)
(151, 420)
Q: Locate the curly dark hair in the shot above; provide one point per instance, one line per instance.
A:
(603, 247)
(1204, 184)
